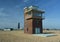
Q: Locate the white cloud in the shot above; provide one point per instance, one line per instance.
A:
(26, 0)
(17, 6)
(3, 13)
(1, 9)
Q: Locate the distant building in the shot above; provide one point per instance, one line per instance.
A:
(6, 29)
(18, 25)
(33, 20)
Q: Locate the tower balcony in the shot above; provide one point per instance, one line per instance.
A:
(28, 17)
(35, 17)
(39, 17)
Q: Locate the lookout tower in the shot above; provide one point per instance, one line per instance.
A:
(33, 20)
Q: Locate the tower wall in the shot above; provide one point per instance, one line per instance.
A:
(37, 25)
(28, 26)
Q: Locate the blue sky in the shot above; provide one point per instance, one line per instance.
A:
(12, 12)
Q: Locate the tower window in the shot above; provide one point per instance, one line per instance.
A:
(29, 13)
(37, 14)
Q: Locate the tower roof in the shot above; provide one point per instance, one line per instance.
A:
(34, 8)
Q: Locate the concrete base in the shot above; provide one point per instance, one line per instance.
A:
(44, 35)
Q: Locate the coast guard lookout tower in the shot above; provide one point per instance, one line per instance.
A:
(33, 20)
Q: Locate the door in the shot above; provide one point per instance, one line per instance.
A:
(37, 30)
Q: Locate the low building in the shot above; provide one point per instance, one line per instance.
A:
(7, 29)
